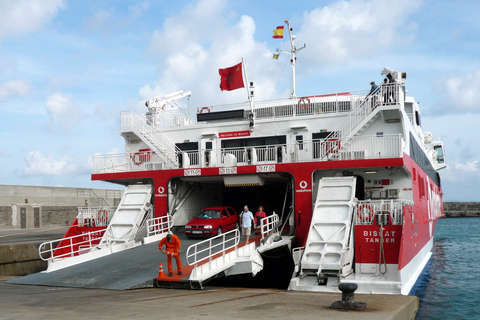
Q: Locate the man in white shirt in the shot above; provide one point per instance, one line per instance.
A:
(246, 221)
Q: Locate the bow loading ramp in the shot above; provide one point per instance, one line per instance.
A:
(138, 267)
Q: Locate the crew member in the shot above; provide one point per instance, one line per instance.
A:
(172, 244)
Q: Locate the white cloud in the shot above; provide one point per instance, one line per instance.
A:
(356, 29)
(459, 93)
(41, 165)
(194, 44)
(24, 16)
(15, 88)
(62, 110)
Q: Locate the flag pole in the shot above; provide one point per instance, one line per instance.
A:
(250, 100)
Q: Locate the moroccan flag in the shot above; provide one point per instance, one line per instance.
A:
(278, 33)
(231, 78)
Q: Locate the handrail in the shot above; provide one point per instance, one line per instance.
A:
(70, 245)
(364, 147)
(269, 223)
(95, 216)
(365, 211)
(207, 249)
(163, 146)
(159, 225)
(386, 94)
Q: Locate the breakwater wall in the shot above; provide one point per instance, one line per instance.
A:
(461, 209)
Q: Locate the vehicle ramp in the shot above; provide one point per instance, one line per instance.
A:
(131, 212)
(328, 252)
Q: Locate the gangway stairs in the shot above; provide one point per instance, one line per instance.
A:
(328, 253)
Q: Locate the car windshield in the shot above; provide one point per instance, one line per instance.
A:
(208, 214)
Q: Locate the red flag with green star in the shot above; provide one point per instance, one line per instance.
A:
(231, 78)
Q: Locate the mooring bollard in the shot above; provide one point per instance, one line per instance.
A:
(348, 298)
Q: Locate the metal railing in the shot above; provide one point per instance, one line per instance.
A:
(95, 216)
(159, 225)
(301, 106)
(386, 94)
(70, 246)
(386, 211)
(267, 224)
(212, 248)
(364, 147)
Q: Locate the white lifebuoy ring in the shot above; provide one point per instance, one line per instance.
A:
(204, 108)
(365, 212)
(305, 104)
(333, 145)
(102, 216)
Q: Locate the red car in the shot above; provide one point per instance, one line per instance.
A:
(212, 221)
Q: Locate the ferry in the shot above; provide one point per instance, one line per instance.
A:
(351, 177)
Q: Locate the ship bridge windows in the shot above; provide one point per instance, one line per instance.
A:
(254, 142)
(440, 155)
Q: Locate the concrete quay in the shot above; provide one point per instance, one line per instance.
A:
(40, 302)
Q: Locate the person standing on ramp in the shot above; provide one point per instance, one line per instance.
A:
(172, 244)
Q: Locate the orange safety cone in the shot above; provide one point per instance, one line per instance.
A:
(161, 275)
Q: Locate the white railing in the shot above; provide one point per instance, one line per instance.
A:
(386, 94)
(386, 211)
(159, 225)
(164, 147)
(212, 248)
(267, 224)
(70, 246)
(95, 216)
(364, 147)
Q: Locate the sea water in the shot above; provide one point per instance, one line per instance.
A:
(450, 288)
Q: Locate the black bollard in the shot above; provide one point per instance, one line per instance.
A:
(348, 298)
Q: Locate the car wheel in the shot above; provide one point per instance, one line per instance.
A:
(219, 231)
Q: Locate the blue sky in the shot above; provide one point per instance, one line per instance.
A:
(68, 68)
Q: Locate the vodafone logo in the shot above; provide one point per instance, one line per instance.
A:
(161, 191)
(303, 187)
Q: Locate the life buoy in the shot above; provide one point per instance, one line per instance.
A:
(102, 216)
(303, 103)
(333, 145)
(204, 108)
(136, 160)
(365, 212)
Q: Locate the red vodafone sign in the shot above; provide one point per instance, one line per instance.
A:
(234, 134)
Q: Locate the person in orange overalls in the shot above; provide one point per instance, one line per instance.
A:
(172, 244)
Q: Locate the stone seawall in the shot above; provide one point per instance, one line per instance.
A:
(461, 209)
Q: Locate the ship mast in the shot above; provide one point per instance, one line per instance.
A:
(293, 51)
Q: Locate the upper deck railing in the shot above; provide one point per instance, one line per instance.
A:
(301, 106)
(365, 147)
